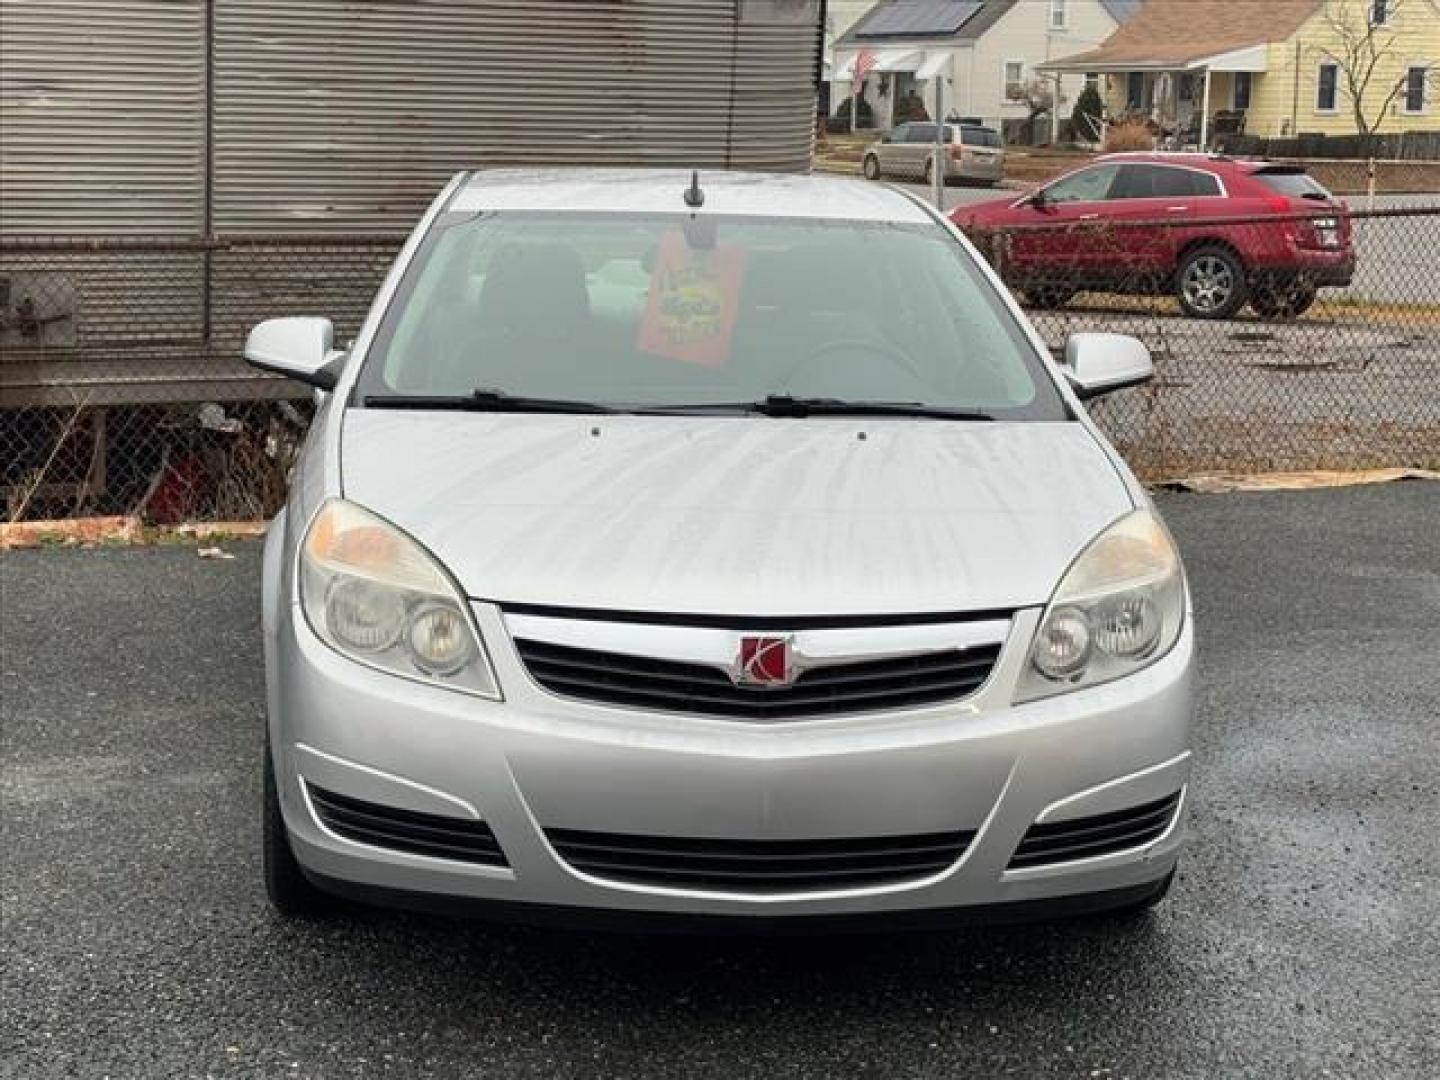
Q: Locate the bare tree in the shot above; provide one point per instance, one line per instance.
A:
(1038, 97)
(1365, 34)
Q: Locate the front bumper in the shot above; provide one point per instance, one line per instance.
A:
(536, 761)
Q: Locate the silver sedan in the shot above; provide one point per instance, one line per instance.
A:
(724, 547)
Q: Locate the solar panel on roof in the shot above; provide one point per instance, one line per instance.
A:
(936, 17)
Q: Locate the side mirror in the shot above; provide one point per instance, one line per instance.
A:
(1039, 200)
(299, 347)
(1096, 364)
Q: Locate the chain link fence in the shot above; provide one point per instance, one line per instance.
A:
(122, 389)
(1285, 342)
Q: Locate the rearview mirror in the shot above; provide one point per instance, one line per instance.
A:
(298, 347)
(1097, 364)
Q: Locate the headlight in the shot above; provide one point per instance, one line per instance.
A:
(375, 595)
(1118, 609)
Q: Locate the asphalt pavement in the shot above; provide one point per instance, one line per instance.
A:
(1302, 938)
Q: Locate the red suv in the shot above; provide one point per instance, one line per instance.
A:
(1215, 231)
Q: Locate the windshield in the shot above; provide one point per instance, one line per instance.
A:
(977, 136)
(667, 311)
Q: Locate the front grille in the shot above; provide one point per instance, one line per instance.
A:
(1102, 834)
(675, 686)
(406, 830)
(758, 865)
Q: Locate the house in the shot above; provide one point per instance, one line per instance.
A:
(985, 51)
(1271, 68)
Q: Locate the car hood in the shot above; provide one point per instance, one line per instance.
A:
(738, 516)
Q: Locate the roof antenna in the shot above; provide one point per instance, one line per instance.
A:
(694, 197)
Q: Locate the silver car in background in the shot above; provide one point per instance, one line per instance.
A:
(972, 154)
(723, 547)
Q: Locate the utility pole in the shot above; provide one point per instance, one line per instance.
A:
(1055, 113)
(937, 171)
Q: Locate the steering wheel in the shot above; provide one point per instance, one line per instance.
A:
(870, 347)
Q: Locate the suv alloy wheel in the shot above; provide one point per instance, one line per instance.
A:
(1210, 283)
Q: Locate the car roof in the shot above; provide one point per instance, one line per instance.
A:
(1215, 163)
(623, 191)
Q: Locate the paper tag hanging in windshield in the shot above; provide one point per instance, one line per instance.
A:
(694, 295)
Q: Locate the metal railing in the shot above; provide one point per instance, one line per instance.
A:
(122, 388)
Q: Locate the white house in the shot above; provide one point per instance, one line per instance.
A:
(983, 50)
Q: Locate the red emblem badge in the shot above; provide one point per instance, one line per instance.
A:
(764, 661)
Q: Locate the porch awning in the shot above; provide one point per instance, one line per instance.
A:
(889, 60)
(1247, 59)
(1254, 59)
(933, 64)
(898, 60)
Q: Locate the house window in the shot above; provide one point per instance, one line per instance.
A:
(1379, 12)
(1057, 14)
(1092, 81)
(1242, 90)
(1014, 80)
(1327, 87)
(1415, 89)
(1135, 91)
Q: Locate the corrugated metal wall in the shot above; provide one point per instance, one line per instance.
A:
(350, 115)
(339, 115)
(102, 116)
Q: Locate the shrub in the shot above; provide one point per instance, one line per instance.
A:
(908, 108)
(842, 115)
(1129, 135)
(1085, 117)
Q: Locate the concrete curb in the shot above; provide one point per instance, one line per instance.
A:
(88, 532)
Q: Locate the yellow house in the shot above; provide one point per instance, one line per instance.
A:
(1272, 68)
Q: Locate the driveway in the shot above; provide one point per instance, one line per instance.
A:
(1303, 937)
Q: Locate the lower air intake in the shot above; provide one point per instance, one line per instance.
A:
(758, 865)
(1101, 834)
(435, 835)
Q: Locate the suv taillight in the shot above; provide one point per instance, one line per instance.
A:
(1317, 231)
(1323, 232)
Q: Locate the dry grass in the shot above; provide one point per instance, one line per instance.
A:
(1130, 135)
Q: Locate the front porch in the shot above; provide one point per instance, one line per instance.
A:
(899, 84)
(1190, 105)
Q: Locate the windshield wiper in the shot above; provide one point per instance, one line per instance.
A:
(783, 405)
(486, 400)
(787, 406)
